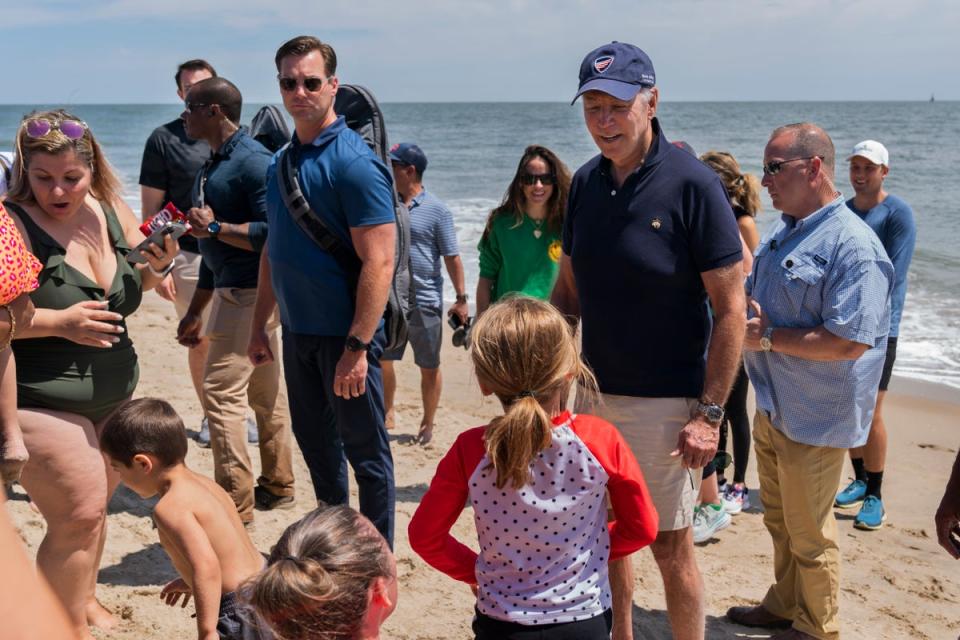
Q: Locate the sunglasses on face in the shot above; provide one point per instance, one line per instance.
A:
(773, 168)
(530, 179)
(40, 127)
(190, 106)
(311, 84)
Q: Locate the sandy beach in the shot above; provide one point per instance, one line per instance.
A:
(896, 582)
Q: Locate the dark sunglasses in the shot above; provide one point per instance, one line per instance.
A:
(190, 106)
(40, 127)
(310, 84)
(530, 179)
(773, 168)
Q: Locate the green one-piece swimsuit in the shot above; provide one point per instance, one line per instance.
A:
(55, 373)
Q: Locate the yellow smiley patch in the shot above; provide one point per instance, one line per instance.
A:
(554, 250)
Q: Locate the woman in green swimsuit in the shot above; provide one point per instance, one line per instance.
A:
(76, 363)
(520, 248)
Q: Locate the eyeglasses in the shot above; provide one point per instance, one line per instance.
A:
(40, 127)
(190, 106)
(773, 168)
(311, 84)
(530, 179)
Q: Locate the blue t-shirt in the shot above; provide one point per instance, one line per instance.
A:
(234, 185)
(892, 221)
(431, 235)
(348, 186)
(637, 253)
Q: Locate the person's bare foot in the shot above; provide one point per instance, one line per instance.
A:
(99, 616)
(425, 434)
(390, 421)
(13, 457)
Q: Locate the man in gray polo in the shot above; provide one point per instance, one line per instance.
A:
(432, 236)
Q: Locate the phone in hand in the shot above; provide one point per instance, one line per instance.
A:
(174, 229)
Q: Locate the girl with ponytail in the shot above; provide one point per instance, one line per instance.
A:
(331, 576)
(537, 478)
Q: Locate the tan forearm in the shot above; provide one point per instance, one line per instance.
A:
(455, 270)
(373, 289)
(484, 287)
(723, 356)
(815, 344)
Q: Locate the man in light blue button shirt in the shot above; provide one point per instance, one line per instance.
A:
(814, 350)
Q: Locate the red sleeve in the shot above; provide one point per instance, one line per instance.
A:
(636, 518)
(429, 530)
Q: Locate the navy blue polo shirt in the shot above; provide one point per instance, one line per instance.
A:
(234, 184)
(637, 253)
(349, 186)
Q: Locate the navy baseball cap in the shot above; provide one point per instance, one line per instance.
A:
(409, 153)
(618, 69)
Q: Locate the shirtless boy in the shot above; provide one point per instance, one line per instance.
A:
(199, 528)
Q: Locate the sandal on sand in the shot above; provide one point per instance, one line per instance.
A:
(425, 435)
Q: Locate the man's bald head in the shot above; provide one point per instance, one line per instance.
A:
(219, 91)
(809, 140)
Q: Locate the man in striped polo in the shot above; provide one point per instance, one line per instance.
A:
(431, 236)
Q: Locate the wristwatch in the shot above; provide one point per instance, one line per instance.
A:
(462, 297)
(711, 411)
(766, 340)
(213, 228)
(356, 344)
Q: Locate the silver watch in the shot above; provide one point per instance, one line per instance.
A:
(712, 411)
(766, 341)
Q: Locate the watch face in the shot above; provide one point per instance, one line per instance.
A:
(765, 343)
(213, 227)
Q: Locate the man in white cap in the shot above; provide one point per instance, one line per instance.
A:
(649, 237)
(892, 220)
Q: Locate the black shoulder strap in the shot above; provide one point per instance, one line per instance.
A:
(307, 219)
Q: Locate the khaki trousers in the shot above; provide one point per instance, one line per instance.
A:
(798, 483)
(230, 383)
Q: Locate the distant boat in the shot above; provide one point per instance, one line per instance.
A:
(931, 98)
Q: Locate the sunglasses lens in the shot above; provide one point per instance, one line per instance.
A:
(72, 129)
(288, 84)
(530, 179)
(38, 128)
(313, 84)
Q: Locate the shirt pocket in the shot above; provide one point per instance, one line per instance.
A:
(803, 275)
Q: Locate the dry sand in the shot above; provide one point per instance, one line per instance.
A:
(896, 582)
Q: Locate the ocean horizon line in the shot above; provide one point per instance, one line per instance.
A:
(497, 102)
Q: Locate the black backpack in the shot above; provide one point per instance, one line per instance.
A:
(362, 114)
(269, 128)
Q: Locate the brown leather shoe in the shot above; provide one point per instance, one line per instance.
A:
(757, 616)
(793, 634)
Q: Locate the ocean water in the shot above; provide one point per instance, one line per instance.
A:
(473, 150)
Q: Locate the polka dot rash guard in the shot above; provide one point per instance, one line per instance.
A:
(544, 548)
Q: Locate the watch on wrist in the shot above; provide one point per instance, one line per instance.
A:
(766, 340)
(356, 344)
(462, 298)
(213, 228)
(711, 411)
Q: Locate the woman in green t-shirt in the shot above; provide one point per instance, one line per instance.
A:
(520, 248)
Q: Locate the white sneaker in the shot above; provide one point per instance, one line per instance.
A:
(708, 519)
(735, 498)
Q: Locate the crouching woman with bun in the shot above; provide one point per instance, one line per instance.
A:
(330, 576)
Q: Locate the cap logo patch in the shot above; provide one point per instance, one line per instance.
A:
(600, 64)
(395, 146)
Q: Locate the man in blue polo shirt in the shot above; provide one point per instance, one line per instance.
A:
(431, 236)
(650, 238)
(814, 350)
(229, 218)
(332, 334)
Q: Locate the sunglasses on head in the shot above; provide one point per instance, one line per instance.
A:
(311, 84)
(530, 179)
(40, 127)
(773, 168)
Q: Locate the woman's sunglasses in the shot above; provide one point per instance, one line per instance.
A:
(530, 179)
(40, 127)
(310, 84)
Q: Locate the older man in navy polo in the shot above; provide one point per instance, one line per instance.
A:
(648, 239)
(814, 350)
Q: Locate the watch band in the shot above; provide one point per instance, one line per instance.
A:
(766, 340)
(462, 297)
(712, 411)
(354, 343)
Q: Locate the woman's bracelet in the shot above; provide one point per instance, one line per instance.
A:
(13, 327)
(161, 274)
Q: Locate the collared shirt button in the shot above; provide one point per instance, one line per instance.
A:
(789, 263)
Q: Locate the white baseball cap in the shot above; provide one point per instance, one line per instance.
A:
(872, 151)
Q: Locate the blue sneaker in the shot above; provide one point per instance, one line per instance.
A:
(852, 496)
(203, 436)
(872, 514)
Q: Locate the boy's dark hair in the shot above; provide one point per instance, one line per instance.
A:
(145, 425)
(194, 65)
(302, 45)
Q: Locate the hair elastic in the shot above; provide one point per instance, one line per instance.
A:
(526, 394)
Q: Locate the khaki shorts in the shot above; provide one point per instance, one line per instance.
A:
(651, 427)
(186, 273)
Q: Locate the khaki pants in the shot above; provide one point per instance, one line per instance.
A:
(798, 483)
(230, 382)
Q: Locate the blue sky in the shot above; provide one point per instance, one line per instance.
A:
(107, 51)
